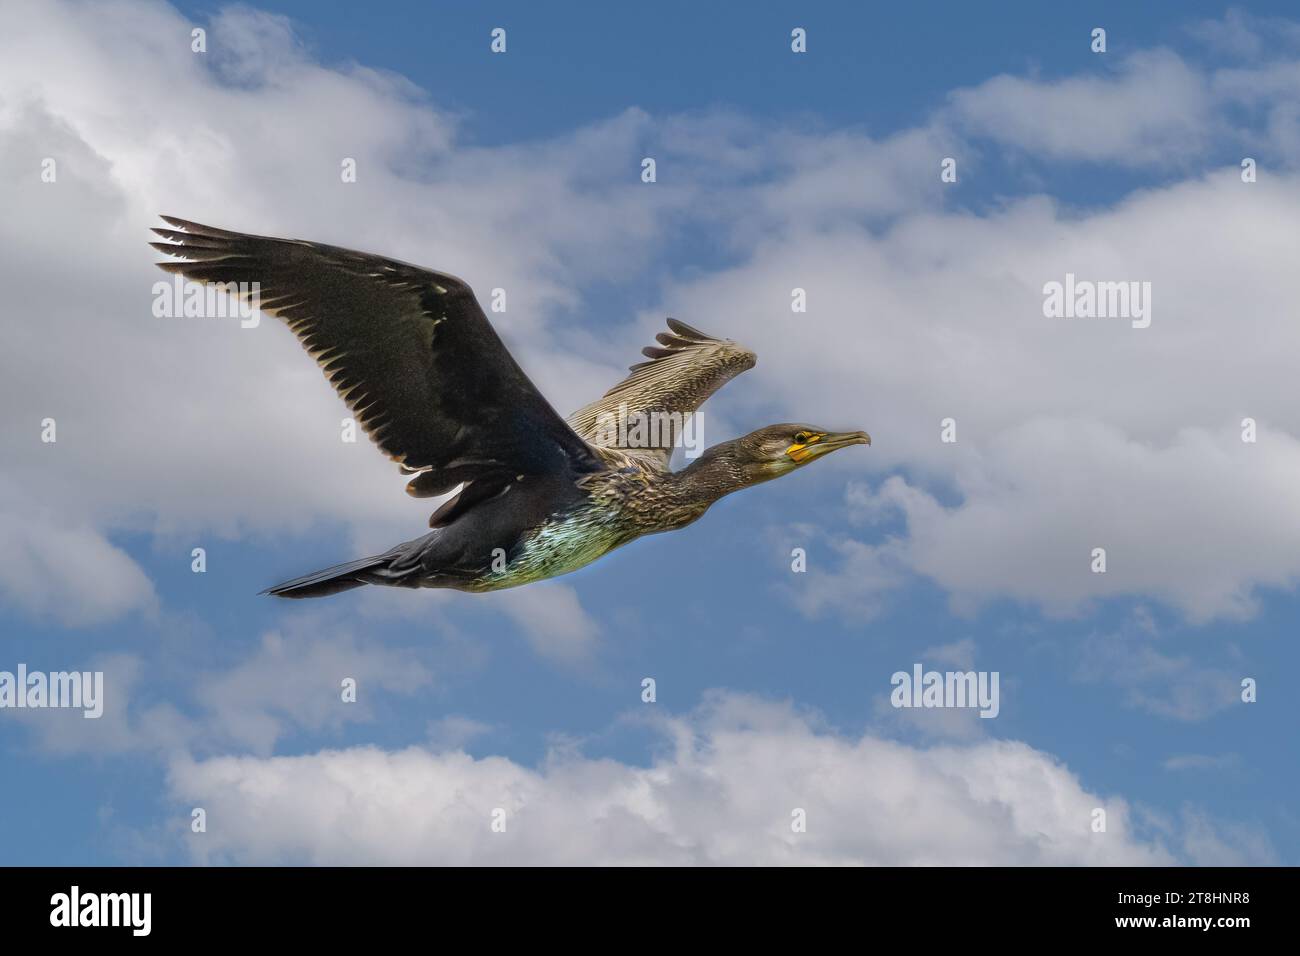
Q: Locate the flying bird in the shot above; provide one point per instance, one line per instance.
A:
(427, 377)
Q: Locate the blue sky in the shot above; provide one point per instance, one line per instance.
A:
(775, 170)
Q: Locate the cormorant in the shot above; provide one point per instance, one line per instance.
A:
(416, 360)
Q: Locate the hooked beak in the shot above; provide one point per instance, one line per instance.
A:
(839, 440)
(828, 443)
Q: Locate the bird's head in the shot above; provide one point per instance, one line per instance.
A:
(772, 451)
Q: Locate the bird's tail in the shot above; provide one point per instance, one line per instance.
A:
(341, 577)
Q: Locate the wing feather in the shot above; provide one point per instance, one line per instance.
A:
(682, 371)
(408, 349)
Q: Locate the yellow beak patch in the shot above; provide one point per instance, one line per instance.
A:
(801, 451)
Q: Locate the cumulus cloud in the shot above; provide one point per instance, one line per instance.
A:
(725, 792)
(850, 579)
(71, 575)
(1206, 843)
(124, 726)
(1010, 535)
(1071, 434)
(455, 731)
(296, 681)
(291, 682)
(1152, 107)
(1246, 36)
(552, 619)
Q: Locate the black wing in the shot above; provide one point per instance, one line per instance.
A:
(408, 349)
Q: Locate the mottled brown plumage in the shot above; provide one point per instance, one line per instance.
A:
(416, 360)
(680, 375)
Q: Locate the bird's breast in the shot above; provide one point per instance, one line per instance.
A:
(562, 544)
(616, 507)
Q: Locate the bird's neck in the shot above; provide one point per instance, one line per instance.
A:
(713, 475)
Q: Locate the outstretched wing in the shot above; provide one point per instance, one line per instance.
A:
(408, 349)
(644, 413)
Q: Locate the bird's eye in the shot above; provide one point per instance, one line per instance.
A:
(802, 438)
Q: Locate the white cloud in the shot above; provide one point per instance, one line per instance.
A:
(846, 577)
(296, 681)
(959, 654)
(124, 726)
(291, 682)
(723, 794)
(1235, 35)
(552, 619)
(455, 731)
(935, 723)
(1201, 762)
(1206, 843)
(1158, 509)
(71, 575)
(1071, 434)
(1176, 687)
(1244, 35)
(1151, 108)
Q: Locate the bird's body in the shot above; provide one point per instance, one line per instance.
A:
(425, 374)
(538, 529)
(542, 528)
(612, 508)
